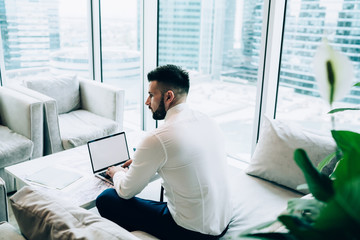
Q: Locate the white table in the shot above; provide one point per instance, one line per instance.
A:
(83, 191)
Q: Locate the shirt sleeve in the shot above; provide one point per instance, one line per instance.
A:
(149, 157)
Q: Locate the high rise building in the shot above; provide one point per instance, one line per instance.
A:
(304, 29)
(348, 37)
(179, 33)
(229, 34)
(242, 62)
(190, 34)
(28, 37)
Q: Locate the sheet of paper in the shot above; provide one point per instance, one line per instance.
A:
(54, 177)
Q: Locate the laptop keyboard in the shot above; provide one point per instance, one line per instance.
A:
(103, 174)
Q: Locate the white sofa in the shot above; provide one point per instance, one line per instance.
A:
(40, 216)
(255, 200)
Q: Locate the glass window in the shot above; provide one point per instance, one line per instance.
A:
(121, 58)
(44, 37)
(218, 42)
(306, 24)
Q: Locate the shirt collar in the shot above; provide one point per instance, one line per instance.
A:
(174, 110)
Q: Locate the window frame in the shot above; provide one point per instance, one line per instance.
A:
(148, 49)
(269, 70)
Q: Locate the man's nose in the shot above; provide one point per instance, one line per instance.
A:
(147, 102)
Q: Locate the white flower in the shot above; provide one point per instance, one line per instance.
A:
(333, 72)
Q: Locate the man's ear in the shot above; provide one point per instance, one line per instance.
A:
(169, 97)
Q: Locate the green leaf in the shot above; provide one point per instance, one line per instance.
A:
(342, 109)
(357, 84)
(348, 198)
(325, 161)
(309, 209)
(340, 218)
(319, 184)
(348, 167)
(331, 218)
(347, 141)
(300, 228)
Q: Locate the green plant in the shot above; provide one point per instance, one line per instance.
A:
(333, 211)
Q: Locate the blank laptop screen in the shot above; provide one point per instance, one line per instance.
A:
(108, 151)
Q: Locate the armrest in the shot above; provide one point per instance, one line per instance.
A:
(24, 115)
(3, 202)
(102, 99)
(52, 139)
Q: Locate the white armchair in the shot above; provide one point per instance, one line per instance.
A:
(76, 110)
(21, 131)
(4, 216)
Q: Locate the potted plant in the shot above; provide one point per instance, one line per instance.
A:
(332, 211)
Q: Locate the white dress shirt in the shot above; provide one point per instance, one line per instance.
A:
(188, 152)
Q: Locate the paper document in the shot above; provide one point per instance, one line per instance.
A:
(54, 177)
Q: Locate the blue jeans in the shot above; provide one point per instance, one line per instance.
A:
(149, 216)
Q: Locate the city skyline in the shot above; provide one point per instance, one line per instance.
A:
(203, 38)
(218, 55)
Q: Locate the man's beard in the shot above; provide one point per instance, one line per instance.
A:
(160, 112)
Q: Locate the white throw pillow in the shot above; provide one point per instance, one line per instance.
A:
(41, 216)
(273, 158)
(64, 89)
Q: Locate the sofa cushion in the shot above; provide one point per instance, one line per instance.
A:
(78, 127)
(273, 158)
(41, 216)
(14, 148)
(254, 201)
(9, 232)
(64, 89)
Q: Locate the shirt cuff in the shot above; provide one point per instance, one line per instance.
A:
(118, 176)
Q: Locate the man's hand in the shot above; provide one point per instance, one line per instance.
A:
(114, 169)
(127, 163)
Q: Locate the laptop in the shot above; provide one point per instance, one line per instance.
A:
(108, 151)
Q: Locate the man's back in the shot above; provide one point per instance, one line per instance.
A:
(194, 171)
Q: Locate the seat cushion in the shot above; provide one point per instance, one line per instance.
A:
(78, 127)
(255, 201)
(9, 232)
(64, 89)
(14, 148)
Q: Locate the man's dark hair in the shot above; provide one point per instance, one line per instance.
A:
(171, 77)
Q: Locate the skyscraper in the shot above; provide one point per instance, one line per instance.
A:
(28, 37)
(348, 37)
(245, 60)
(179, 33)
(190, 34)
(304, 29)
